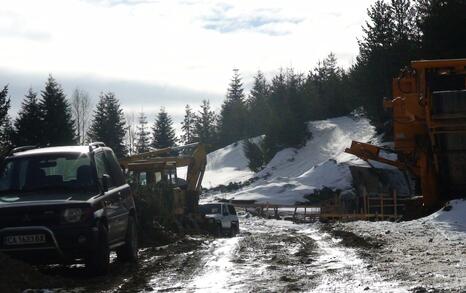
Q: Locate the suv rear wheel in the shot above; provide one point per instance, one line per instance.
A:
(129, 251)
(98, 261)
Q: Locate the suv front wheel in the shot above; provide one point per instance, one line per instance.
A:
(129, 251)
(98, 261)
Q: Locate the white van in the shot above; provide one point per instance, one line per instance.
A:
(221, 218)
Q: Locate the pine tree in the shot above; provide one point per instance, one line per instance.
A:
(442, 23)
(162, 131)
(108, 124)
(6, 129)
(390, 41)
(258, 108)
(57, 122)
(205, 124)
(4, 103)
(254, 154)
(375, 66)
(286, 126)
(232, 120)
(187, 126)
(325, 90)
(142, 135)
(28, 124)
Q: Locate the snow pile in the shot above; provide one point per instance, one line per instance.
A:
(226, 165)
(293, 173)
(452, 217)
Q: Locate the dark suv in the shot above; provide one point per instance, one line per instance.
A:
(66, 205)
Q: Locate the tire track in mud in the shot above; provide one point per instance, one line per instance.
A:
(274, 257)
(267, 256)
(166, 269)
(304, 258)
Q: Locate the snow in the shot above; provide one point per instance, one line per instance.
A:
(293, 173)
(225, 165)
(453, 218)
(228, 164)
(430, 250)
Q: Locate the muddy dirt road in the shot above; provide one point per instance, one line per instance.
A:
(268, 256)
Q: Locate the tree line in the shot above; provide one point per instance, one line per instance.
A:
(51, 119)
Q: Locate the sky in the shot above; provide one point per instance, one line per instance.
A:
(155, 53)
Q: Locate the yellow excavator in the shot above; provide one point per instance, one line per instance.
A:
(429, 128)
(161, 195)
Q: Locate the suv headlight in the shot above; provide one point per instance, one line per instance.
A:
(73, 215)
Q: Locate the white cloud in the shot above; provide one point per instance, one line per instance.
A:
(192, 44)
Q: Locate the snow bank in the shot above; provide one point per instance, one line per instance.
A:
(293, 173)
(453, 217)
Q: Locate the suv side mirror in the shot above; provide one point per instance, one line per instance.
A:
(105, 182)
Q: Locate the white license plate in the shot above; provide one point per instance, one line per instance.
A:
(24, 239)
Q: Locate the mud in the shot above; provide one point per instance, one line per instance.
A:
(276, 256)
(417, 255)
(350, 239)
(16, 276)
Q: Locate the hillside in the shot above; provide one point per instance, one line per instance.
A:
(293, 173)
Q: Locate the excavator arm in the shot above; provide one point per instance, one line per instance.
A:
(368, 152)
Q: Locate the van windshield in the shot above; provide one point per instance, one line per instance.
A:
(47, 172)
(210, 209)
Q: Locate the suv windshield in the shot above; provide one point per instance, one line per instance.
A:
(210, 209)
(47, 172)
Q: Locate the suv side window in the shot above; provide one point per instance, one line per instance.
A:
(115, 170)
(232, 210)
(224, 210)
(102, 168)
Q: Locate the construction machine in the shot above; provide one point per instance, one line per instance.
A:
(429, 127)
(160, 195)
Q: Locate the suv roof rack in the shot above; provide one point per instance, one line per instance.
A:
(95, 145)
(23, 148)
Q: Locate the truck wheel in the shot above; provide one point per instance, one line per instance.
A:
(98, 261)
(231, 233)
(129, 251)
(234, 230)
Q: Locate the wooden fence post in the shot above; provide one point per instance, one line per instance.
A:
(381, 205)
(364, 195)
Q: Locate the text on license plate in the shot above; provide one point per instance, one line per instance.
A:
(24, 239)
